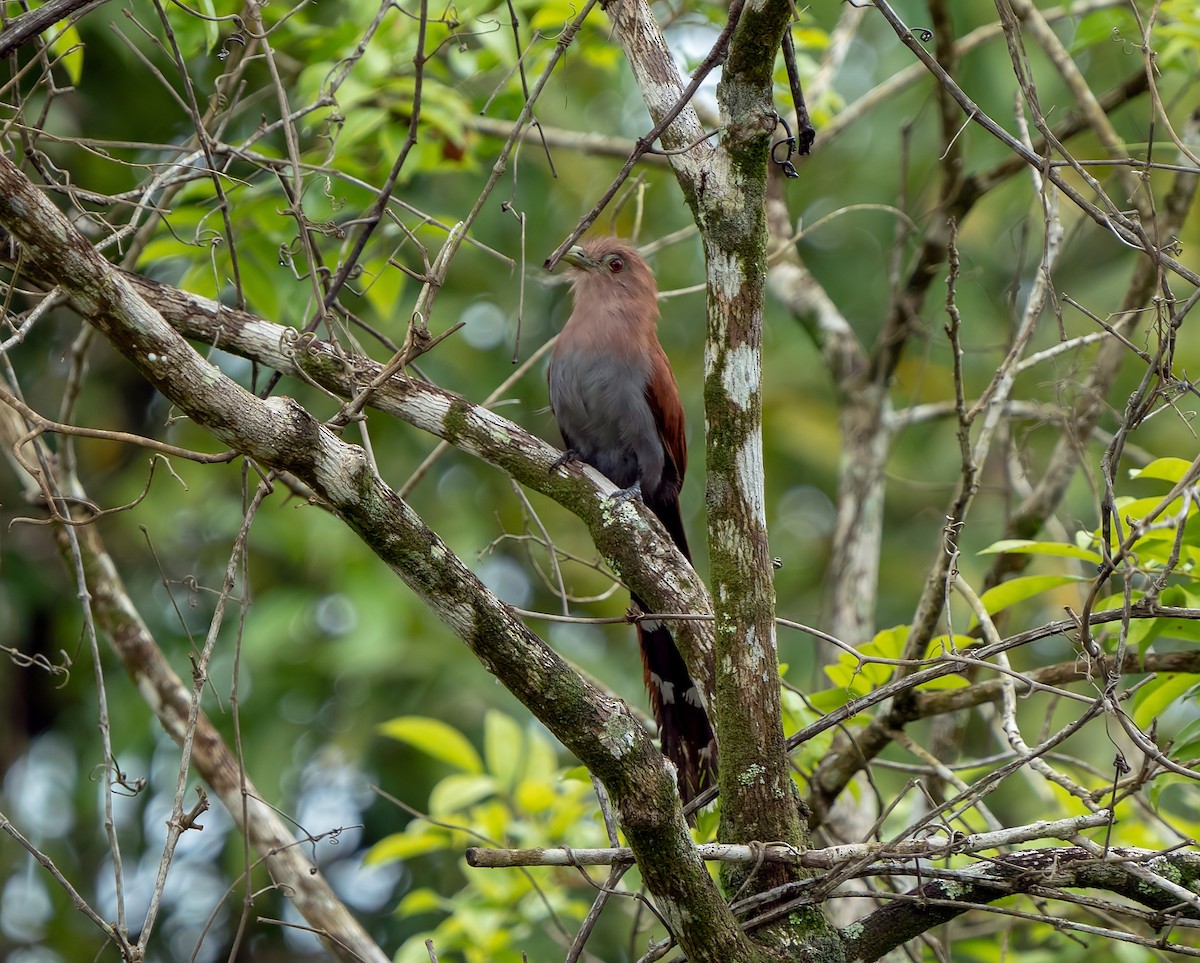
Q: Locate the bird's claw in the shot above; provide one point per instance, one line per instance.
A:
(567, 456)
(623, 495)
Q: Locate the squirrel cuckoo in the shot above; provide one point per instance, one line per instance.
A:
(617, 405)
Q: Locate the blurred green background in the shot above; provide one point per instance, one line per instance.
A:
(332, 644)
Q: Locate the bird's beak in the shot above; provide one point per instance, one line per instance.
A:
(577, 257)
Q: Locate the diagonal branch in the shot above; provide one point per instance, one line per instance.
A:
(279, 433)
(28, 25)
(1109, 217)
(1034, 871)
(630, 537)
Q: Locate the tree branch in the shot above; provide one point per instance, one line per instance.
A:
(28, 25)
(827, 858)
(938, 902)
(630, 537)
(279, 433)
(292, 872)
(840, 764)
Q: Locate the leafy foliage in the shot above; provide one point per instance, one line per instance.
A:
(518, 798)
(331, 679)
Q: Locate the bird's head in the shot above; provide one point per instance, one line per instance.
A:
(611, 267)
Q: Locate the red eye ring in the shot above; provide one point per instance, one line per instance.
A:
(616, 265)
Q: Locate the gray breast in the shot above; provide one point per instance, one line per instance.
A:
(600, 405)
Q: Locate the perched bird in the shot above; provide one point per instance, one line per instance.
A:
(617, 405)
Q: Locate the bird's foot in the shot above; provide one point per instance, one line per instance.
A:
(567, 456)
(622, 495)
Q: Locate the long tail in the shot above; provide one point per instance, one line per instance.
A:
(683, 727)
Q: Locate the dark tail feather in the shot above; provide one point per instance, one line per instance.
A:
(683, 727)
(666, 507)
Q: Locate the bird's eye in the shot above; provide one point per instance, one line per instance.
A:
(616, 265)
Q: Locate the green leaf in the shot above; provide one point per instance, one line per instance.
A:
(1140, 508)
(1103, 26)
(1163, 469)
(406, 845)
(261, 285)
(829, 699)
(1018, 589)
(67, 47)
(383, 288)
(503, 746)
(939, 646)
(541, 757)
(455, 793)
(1187, 630)
(888, 643)
(860, 677)
(811, 38)
(708, 820)
(1158, 695)
(855, 678)
(552, 15)
(1169, 779)
(212, 29)
(535, 797)
(1187, 744)
(1178, 596)
(420, 901)
(434, 738)
(199, 280)
(951, 681)
(1142, 632)
(1024, 546)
